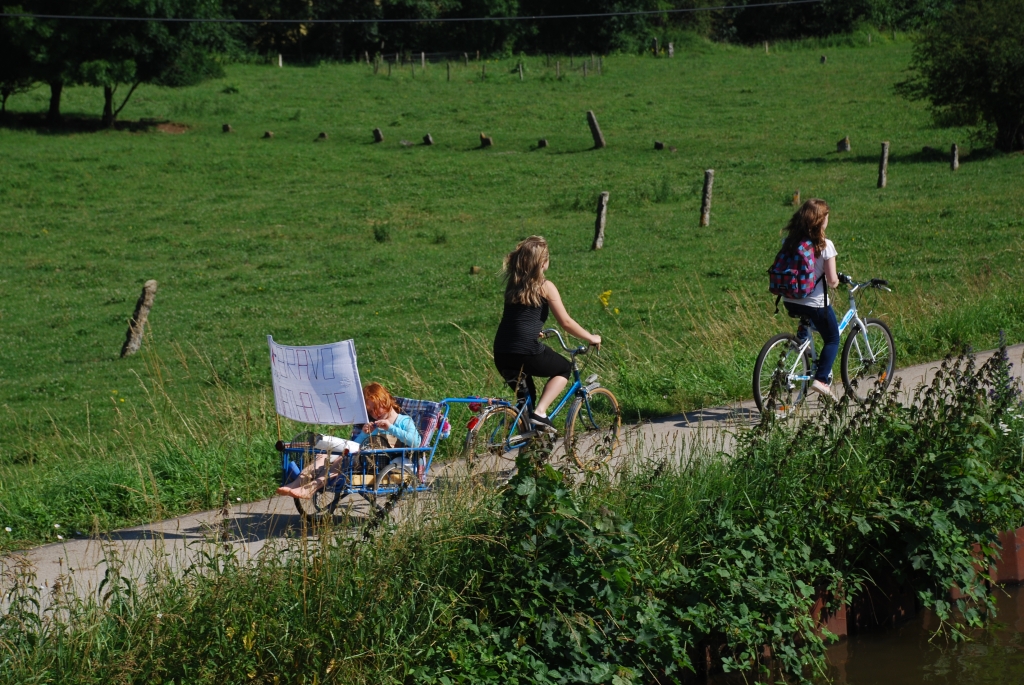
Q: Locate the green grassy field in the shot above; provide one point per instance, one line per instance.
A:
(313, 242)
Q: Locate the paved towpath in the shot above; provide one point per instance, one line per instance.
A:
(247, 528)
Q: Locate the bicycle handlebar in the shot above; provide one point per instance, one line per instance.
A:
(879, 283)
(553, 332)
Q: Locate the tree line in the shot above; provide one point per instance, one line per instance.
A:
(968, 62)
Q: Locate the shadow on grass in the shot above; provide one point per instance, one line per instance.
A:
(927, 155)
(82, 123)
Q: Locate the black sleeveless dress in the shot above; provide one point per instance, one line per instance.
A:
(519, 354)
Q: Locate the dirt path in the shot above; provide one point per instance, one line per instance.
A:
(247, 528)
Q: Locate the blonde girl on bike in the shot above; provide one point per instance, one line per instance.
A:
(809, 224)
(518, 351)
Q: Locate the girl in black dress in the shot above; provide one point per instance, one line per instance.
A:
(518, 351)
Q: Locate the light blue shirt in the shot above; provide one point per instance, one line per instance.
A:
(404, 428)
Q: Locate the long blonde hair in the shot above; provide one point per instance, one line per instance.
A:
(807, 223)
(524, 271)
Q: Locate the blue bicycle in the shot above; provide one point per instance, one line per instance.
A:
(787, 362)
(592, 422)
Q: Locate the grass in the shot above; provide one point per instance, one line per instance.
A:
(319, 241)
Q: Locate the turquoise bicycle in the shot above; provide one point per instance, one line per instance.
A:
(592, 421)
(787, 363)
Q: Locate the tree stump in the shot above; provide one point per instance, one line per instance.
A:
(133, 339)
(378, 135)
(658, 145)
(824, 59)
(226, 128)
(268, 134)
(843, 145)
(883, 165)
(705, 203)
(954, 157)
(427, 140)
(486, 141)
(474, 270)
(595, 130)
(543, 142)
(796, 198)
(602, 217)
(322, 137)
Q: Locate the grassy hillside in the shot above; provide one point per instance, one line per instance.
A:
(318, 241)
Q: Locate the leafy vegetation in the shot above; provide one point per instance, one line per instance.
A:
(970, 67)
(669, 567)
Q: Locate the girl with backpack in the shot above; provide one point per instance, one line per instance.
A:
(518, 351)
(804, 266)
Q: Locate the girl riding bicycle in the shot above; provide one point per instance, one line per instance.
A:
(518, 352)
(808, 225)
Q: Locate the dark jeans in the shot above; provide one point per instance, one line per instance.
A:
(824, 320)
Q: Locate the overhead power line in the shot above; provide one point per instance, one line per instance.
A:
(436, 20)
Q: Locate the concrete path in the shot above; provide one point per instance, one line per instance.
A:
(246, 528)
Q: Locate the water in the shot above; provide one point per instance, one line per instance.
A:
(904, 655)
(909, 654)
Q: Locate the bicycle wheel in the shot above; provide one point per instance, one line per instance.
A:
(394, 476)
(592, 428)
(868, 366)
(321, 505)
(486, 443)
(774, 389)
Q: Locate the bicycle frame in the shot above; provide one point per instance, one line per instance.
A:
(851, 316)
(515, 440)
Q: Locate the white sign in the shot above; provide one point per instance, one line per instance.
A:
(317, 383)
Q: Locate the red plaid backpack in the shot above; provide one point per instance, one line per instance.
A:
(792, 275)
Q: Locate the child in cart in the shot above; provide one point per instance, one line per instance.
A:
(388, 430)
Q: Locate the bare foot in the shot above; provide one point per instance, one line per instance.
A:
(285, 492)
(306, 491)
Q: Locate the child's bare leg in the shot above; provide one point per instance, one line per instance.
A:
(304, 479)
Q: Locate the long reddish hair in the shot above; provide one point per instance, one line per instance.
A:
(808, 223)
(378, 400)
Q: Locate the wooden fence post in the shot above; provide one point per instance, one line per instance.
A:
(602, 217)
(954, 157)
(843, 145)
(883, 165)
(378, 135)
(449, 71)
(584, 68)
(600, 66)
(705, 203)
(520, 71)
(595, 130)
(423, 61)
(280, 60)
(465, 58)
(796, 198)
(133, 339)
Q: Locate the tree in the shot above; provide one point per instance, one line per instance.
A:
(15, 60)
(131, 53)
(969, 64)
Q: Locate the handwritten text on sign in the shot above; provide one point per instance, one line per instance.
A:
(317, 383)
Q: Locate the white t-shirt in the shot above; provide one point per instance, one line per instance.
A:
(817, 296)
